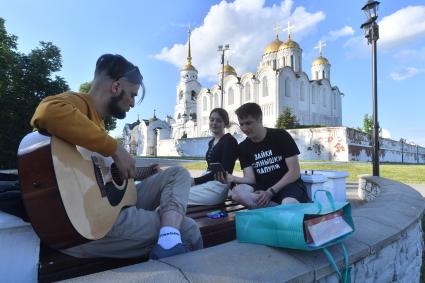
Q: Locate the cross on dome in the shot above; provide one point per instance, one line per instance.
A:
(289, 29)
(320, 46)
(277, 28)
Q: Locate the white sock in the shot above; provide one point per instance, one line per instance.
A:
(169, 237)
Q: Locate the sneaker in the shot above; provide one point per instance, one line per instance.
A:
(159, 252)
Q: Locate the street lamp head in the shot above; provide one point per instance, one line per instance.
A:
(220, 48)
(371, 9)
(227, 46)
(366, 27)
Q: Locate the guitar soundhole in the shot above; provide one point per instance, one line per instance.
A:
(116, 175)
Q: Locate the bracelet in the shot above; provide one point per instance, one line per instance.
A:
(273, 191)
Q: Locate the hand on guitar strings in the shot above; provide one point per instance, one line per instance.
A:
(156, 168)
(125, 163)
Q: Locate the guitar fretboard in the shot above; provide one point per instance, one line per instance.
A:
(141, 173)
(144, 172)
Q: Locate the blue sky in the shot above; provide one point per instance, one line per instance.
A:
(153, 35)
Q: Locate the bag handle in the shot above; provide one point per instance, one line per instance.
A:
(345, 276)
(328, 196)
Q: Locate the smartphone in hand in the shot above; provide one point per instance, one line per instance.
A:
(216, 168)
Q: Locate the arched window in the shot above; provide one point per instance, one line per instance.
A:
(193, 95)
(292, 61)
(180, 94)
(265, 86)
(323, 74)
(231, 96)
(179, 116)
(247, 92)
(302, 91)
(287, 88)
(334, 98)
(324, 98)
(204, 103)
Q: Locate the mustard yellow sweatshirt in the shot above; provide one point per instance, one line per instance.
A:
(74, 118)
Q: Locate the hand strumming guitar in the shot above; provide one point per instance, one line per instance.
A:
(156, 168)
(125, 162)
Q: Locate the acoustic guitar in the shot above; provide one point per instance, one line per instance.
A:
(72, 195)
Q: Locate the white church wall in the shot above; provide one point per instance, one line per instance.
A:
(360, 149)
(347, 144)
(138, 138)
(327, 143)
(195, 147)
(287, 91)
(167, 148)
(321, 143)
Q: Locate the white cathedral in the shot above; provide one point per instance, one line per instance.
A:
(279, 82)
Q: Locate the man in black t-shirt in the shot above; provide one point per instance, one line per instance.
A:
(269, 159)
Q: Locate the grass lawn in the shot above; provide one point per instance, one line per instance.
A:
(405, 173)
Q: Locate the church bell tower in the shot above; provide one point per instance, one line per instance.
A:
(187, 91)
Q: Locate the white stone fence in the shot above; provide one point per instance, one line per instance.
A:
(327, 143)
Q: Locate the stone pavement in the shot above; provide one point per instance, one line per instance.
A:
(419, 187)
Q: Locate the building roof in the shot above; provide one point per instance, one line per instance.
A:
(273, 46)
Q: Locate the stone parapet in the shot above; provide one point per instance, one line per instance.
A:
(386, 246)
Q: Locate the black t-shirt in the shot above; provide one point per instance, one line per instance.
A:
(267, 157)
(224, 152)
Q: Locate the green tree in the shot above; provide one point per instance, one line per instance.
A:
(367, 124)
(25, 79)
(120, 139)
(287, 120)
(110, 122)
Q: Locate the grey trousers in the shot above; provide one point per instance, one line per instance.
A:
(209, 193)
(136, 230)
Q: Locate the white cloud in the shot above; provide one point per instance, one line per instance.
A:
(397, 30)
(335, 34)
(407, 55)
(405, 73)
(247, 25)
(404, 26)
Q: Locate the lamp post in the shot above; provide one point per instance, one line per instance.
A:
(371, 30)
(222, 50)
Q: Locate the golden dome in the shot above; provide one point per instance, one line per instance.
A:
(273, 46)
(289, 43)
(187, 67)
(320, 61)
(229, 70)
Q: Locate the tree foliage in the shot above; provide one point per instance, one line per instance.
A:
(25, 79)
(110, 122)
(367, 124)
(287, 120)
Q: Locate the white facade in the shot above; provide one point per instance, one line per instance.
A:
(279, 82)
(142, 138)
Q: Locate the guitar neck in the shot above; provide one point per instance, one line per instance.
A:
(143, 172)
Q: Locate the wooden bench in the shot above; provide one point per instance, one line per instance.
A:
(55, 266)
